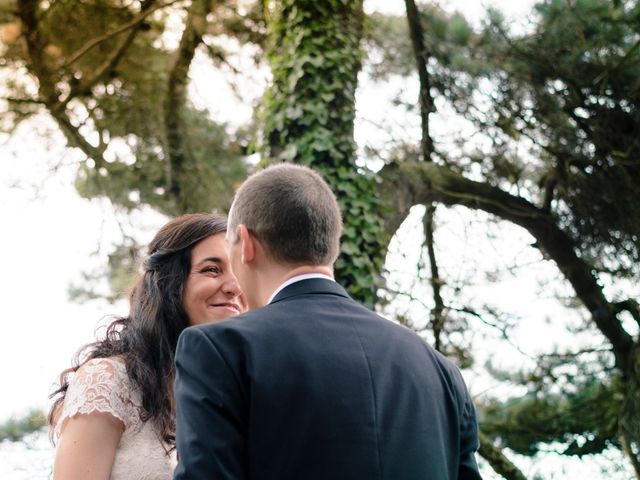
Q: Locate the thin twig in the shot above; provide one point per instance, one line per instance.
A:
(127, 26)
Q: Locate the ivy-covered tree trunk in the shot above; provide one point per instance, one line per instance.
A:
(308, 118)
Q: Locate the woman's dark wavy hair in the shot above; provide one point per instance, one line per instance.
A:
(147, 337)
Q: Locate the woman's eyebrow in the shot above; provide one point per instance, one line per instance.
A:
(211, 259)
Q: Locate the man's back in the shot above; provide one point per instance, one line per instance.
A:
(321, 388)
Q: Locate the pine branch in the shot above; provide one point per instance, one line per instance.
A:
(503, 329)
(76, 139)
(147, 9)
(112, 60)
(421, 55)
(498, 461)
(28, 14)
(415, 183)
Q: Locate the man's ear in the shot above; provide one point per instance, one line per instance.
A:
(247, 245)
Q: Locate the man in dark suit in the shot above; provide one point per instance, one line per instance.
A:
(309, 384)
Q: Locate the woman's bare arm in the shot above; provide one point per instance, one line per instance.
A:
(87, 447)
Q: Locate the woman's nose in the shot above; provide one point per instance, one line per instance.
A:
(231, 286)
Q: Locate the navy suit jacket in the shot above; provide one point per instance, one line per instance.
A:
(316, 386)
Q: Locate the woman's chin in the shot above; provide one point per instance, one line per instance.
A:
(217, 314)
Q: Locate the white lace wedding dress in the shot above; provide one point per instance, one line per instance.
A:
(102, 385)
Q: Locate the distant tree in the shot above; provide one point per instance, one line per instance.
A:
(15, 428)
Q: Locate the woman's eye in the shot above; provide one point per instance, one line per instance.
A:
(212, 270)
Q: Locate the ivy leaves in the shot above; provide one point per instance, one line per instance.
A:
(308, 116)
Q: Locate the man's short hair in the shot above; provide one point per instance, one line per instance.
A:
(292, 211)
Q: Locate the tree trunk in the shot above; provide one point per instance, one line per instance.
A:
(308, 119)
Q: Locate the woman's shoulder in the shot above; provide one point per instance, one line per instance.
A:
(113, 366)
(106, 372)
(101, 385)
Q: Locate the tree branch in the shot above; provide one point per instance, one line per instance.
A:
(412, 183)
(76, 139)
(147, 9)
(28, 14)
(438, 316)
(421, 55)
(27, 11)
(504, 334)
(177, 147)
(498, 461)
(31, 101)
(218, 54)
(112, 60)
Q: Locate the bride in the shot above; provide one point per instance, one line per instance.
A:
(114, 414)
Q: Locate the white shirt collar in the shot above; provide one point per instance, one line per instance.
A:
(298, 278)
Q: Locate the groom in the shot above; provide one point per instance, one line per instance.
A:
(309, 384)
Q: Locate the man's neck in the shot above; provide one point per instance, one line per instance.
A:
(275, 276)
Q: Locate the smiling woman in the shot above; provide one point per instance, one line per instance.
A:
(211, 293)
(114, 411)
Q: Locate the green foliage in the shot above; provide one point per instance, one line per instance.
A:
(585, 421)
(448, 38)
(15, 429)
(361, 256)
(572, 88)
(315, 60)
(213, 162)
(308, 116)
(575, 404)
(458, 30)
(123, 111)
(389, 46)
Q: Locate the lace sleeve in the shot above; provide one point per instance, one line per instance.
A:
(100, 385)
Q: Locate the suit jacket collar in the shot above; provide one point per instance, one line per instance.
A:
(310, 285)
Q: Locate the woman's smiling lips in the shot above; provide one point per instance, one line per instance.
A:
(228, 305)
